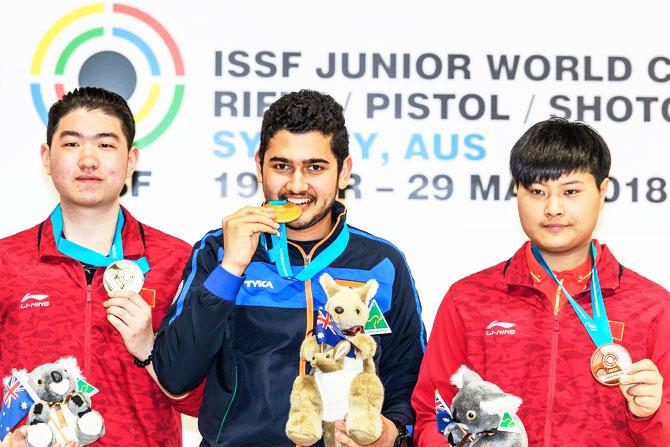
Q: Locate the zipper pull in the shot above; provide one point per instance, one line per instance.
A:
(88, 293)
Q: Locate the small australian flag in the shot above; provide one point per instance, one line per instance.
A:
(443, 415)
(16, 403)
(328, 332)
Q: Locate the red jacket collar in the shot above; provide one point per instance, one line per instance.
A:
(517, 272)
(131, 235)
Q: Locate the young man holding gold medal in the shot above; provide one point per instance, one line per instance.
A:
(581, 339)
(251, 290)
(90, 281)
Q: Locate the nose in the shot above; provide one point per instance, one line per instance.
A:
(297, 183)
(553, 206)
(88, 156)
(338, 310)
(56, 376)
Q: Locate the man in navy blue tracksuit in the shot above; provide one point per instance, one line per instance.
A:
(243, 312)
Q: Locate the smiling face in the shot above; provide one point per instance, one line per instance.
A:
(88, 159)
(560, 215)
(301, 168)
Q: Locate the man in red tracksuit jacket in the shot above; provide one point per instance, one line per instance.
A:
(52, 300)
(510, 323)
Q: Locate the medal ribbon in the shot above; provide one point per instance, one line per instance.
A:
(279, 252)
(86, 255)
(597, 327)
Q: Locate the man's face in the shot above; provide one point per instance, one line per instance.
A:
(302, 169)
(89, 160)
(560, 215)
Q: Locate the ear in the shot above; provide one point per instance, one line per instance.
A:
(69, 364)
(603, 192)
(133, 157)
(463, 376)
(368, 290)
(500, 405)
(259, 168)
(342, 349)
(45, 154)
(329, 284)
(345, 173)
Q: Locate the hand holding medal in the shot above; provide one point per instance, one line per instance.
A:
(126, 310)
(611, 364)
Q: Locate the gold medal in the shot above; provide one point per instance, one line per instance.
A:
(608, 363)
(285, 212)
(123, 275)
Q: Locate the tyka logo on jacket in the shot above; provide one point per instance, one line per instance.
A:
(500, 328)
(33, 300)
(258, 283)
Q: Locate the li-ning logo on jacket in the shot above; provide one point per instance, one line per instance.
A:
(505, 328)
(259, 283)
(34, 300)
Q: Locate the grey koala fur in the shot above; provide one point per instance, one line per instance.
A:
(478, 408)
(55, 383)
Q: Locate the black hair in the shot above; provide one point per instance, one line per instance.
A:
(554, 147)
(92, 98)
(307, 111)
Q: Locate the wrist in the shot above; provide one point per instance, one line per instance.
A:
(233, 267)
(403, 438)
(143, 363)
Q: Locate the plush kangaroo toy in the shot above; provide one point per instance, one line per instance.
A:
(317, 399)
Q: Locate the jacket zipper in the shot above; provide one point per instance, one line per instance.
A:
(87, 333)
(552, 382)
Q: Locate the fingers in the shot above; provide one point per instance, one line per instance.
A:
(262, 217)
(341, 435)
(643, 372)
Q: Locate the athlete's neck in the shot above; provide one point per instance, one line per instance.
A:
(92, 228)
(567, 260)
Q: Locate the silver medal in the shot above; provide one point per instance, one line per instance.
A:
(123, 275)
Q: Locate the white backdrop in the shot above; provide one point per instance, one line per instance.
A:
(429, 128)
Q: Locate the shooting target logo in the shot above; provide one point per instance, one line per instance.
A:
(117, 47)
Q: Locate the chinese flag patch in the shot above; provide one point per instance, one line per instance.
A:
(616, 327)
(149, 295)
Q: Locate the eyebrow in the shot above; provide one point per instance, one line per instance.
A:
(73, 133)
(309, 161)
(571, 182)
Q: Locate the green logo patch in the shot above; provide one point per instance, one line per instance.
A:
(507, 424)
(86, 388)
(376, 324)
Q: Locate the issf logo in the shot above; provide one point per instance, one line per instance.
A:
(118, 47)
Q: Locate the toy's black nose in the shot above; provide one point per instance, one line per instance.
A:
(338, 310)
(56, 376)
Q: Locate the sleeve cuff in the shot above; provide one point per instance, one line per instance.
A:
(223, 284)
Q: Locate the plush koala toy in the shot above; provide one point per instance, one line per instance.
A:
(62, 414)
(337, 385)
(483, 414)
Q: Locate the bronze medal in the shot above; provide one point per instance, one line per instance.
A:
(608, 363)
(286, 212)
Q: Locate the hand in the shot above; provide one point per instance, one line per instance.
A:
(241, 233)
(131, 317)
(18, 439)
(642, 386)
(387, 439)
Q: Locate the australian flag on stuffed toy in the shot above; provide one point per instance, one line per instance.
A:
(16, 403)
(328, 332)
(442, 413)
